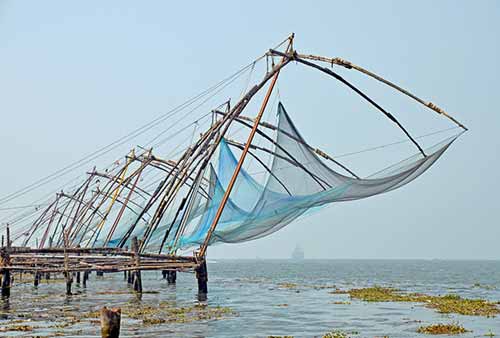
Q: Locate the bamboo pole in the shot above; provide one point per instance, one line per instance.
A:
(359, 92)
(230, 186)
(5, 264)
(350, 65)
(137, 262)
(124, 205)
(67, 273)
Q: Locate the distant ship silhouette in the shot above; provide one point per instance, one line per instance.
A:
(298, 253)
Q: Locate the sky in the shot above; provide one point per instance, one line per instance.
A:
(78, 75)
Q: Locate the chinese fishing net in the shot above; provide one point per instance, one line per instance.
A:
(299, 182)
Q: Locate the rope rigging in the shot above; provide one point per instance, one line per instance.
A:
(185, 197)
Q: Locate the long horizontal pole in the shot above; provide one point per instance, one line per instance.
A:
(349, 65)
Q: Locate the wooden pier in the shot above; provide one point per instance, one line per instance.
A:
(72, 261)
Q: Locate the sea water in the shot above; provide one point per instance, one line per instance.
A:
(266, 297)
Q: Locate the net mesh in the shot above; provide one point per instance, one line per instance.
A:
(299, 182)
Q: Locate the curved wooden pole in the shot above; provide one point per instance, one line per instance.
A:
(230, 186)
(349, 65)
(357, 91)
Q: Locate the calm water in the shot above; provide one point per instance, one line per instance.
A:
(261, 307)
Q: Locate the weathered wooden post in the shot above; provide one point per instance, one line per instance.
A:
(4, 264)
(36, 279)
(86, 274)
(67, 274)
(130, 277)
(78, 272)
(126, 274)
(110, 322)
(202, 277)
(47, 274)
(164, 274)
(137, 261)
(171, 276)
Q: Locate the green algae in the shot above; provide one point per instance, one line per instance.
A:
(335, 334)
(484, 286)
(166, 313)
(287, 285)
(23, 328)
(442, 304)
(437, 329)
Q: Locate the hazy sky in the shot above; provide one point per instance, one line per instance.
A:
(78, 75)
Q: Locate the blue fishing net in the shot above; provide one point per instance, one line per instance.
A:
(298, 182)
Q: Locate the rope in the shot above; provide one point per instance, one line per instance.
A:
(106, 149)
(373, 148)
(113, 145)
(395, 143)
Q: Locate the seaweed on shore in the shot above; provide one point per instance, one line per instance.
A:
(287, 285)
(448, 329)
(336, 334)
(166, 313)
(23, 328)
(442, 304)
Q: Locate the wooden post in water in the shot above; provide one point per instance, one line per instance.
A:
(4, 263)
(47, 275)
(36, 279)
(137, 260)
(85, 278)
(110, 322)
(171, 276)
(164, 274)
(67, 274)
(130, 274)
(130, 277)
(202, 277)
(78, 272)
(126, 274)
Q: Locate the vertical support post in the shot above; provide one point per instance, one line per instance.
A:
(236, 172)
(110, 322)
(171, 276)
(67, 274)
(47, 275)
(36, 279)
(85, 278)
(137, 262)
(164, 274)
(4, 264)
(202, 277)
(78, 272)
(126, 274)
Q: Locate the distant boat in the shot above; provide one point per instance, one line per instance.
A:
(298, 253)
